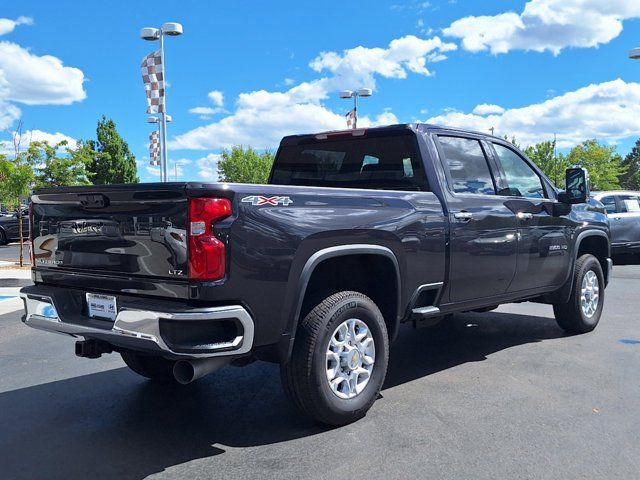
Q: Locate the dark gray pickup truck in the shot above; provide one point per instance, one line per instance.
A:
(357, 232)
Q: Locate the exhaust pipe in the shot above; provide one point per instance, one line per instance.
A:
(186, 371)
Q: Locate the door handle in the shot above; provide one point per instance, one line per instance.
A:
(463, 216)
(525, 216)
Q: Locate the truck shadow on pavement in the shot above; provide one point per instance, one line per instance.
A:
(114, 424)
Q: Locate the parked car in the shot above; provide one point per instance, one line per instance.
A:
(623, 210)
(10, 229)
(357, 232)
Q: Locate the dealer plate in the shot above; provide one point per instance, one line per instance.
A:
(102, 306)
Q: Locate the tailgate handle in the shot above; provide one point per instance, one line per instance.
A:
(94, 200)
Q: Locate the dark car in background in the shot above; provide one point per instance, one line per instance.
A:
(10, 227)
(623, 210)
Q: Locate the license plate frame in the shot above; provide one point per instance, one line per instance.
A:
(102, 307)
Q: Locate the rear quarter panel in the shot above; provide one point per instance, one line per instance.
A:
(269, 245)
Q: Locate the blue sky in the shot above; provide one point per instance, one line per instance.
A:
(529, 69)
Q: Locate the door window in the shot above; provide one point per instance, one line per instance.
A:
(609, 204)
(521, 179)
(467, 165)
(629, 204)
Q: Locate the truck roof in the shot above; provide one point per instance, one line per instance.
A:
(372, 131)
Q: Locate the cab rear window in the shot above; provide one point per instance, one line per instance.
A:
(381, 163)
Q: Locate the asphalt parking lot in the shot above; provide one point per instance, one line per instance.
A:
(498, 395)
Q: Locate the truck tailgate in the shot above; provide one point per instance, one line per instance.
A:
(132, 231)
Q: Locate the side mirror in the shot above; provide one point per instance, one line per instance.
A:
(577, 186)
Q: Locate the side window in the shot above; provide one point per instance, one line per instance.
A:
(521, 179)
(369, 160)
(467, 165)
(609, 204)
(628, 204)
(407, 167)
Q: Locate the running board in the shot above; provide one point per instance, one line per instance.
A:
(426, 311)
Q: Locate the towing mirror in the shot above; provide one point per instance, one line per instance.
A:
(577, 186)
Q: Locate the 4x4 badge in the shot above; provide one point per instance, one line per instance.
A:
(260, 200)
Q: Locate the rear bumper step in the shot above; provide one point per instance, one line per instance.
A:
(145, 329)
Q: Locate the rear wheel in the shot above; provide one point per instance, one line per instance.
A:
(150, 366)
(582, 312)
(339, 359)
(3, 237)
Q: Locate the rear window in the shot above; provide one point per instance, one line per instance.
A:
(384, 163)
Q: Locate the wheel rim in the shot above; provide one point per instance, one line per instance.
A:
(351, 355)
(590, 294)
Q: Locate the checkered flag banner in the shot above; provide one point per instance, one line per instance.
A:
(153, 82)
(351, 118)
(154, 148)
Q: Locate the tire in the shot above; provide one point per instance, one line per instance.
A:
(571, 316)
(150, 366)
(306, 376)
(3, 237)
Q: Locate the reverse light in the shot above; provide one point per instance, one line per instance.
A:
(207, 253)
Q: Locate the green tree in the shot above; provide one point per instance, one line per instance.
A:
(512, 141)
(603, 164)
(16, 178)
(543, 155)
(108, 158)
(242, 165)
(630, 179)
(52, 169)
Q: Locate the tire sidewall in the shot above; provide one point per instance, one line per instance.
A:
(592, 264)
(366, 311)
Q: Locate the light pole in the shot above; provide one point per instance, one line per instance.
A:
(156, 120)
(363, 92)
(151, 34)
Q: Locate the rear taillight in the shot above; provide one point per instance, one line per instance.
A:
(207, 253)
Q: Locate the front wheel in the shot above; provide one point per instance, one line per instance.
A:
(582, 312)
(339, 359)
(3, 237)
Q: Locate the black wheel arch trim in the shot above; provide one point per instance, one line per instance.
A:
(288, 337)
(563, 293)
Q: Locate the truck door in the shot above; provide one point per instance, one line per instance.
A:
(483, 233)
(544, 256)
(625, 222)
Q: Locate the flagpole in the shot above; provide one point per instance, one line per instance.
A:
(163, 147)
(355, 111)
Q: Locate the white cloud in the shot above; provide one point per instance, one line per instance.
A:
(206, 112)
(37, 80)
(216, 97)
(289, 81)
(608, 111)
(8, 114)
(208, 167)
(357, 66)
(487, 109)
(51, 138)
(7, 25)
(28, 136)
(263, 117)
(546, 25)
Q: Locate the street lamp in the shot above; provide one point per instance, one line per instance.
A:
(151, 34)
(157, 121)
(363, 92)
(634, 54)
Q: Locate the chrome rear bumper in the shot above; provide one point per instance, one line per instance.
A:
(134, 328)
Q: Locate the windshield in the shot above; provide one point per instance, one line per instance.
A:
(384, 163)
